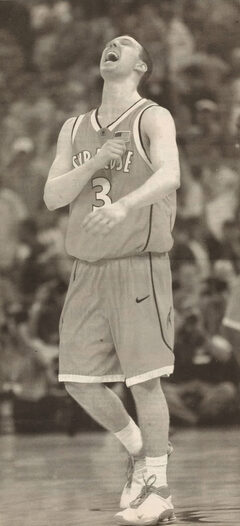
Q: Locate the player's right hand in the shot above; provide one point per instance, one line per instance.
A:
(113, 149)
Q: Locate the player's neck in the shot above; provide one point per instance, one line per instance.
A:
(116, 99)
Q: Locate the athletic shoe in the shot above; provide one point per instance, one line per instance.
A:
(153, 505)
(135, 480)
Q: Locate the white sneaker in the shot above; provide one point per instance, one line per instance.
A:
(153, 505)
(135, 480)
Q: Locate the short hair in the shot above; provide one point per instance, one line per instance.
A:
(146, 58)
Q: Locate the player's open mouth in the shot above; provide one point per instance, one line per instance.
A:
(111, 56)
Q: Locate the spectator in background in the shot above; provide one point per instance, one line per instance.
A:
(12, 65)
(207, 119)
(221, 189)
(178, 39)
(181, 252)
(190, 195)
(200, 79)
(231, 243)
(53, 240)
(31, 272)
(196, 243)
(204, 387)
(29, 342)
(42, 257)
(188, 287)
(204, 132)
(189, 246)
(212, 303)
(20, 176)
(15, 21)
(231, 320)
(18, 371)
(12, 211)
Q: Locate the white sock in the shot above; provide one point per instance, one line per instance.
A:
(157, 466)
(139, 469)
(131, 438)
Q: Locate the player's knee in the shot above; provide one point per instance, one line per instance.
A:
(76, 390)
(84, 393)
(142, 390)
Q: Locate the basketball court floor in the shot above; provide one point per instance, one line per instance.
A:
(56, 480)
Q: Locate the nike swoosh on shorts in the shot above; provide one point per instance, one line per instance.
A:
(139, 300)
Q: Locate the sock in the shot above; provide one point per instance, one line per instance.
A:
(131, 438)
(157, 466)
(139, 469)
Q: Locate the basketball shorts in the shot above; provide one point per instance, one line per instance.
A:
(117, 321)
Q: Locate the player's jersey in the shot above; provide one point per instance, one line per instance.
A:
(147, 229)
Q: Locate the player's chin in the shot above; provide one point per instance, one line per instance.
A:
(107, 67)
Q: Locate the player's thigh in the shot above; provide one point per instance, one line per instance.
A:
(142, 314)
(86, 345)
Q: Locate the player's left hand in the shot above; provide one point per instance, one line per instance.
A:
(103, 219)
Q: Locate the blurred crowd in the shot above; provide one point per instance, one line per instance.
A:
(49, 53)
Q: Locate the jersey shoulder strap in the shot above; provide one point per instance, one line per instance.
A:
(76, 125)
(137, 131)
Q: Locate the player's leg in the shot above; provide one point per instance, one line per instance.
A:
(87, 358)
(104, 406)
(145, 352)
(153, 504)
(153, 418)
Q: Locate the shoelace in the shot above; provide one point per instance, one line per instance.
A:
(130, 470)
(147, 489)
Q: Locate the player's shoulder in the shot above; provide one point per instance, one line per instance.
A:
(69, 125)
(155, 109)
(156, 115)
(73, 122)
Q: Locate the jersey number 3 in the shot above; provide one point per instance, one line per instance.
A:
(102, 194)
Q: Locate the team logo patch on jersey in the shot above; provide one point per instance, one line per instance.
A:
(124, 135)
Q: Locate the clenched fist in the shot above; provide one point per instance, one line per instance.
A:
(113, 149)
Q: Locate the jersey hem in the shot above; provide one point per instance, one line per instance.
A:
(163, 371)
(79, 378)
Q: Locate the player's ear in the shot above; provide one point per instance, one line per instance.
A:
(141, 66)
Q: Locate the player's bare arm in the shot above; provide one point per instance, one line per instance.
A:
(159, 133)
(65, 183)
(158, 128)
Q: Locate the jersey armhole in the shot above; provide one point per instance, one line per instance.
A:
(138, 136)
(76, 125)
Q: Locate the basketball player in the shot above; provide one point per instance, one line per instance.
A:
(117, 167)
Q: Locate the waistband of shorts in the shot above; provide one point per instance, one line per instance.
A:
(104, 261)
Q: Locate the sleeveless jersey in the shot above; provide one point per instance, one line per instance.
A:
(147, 229)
